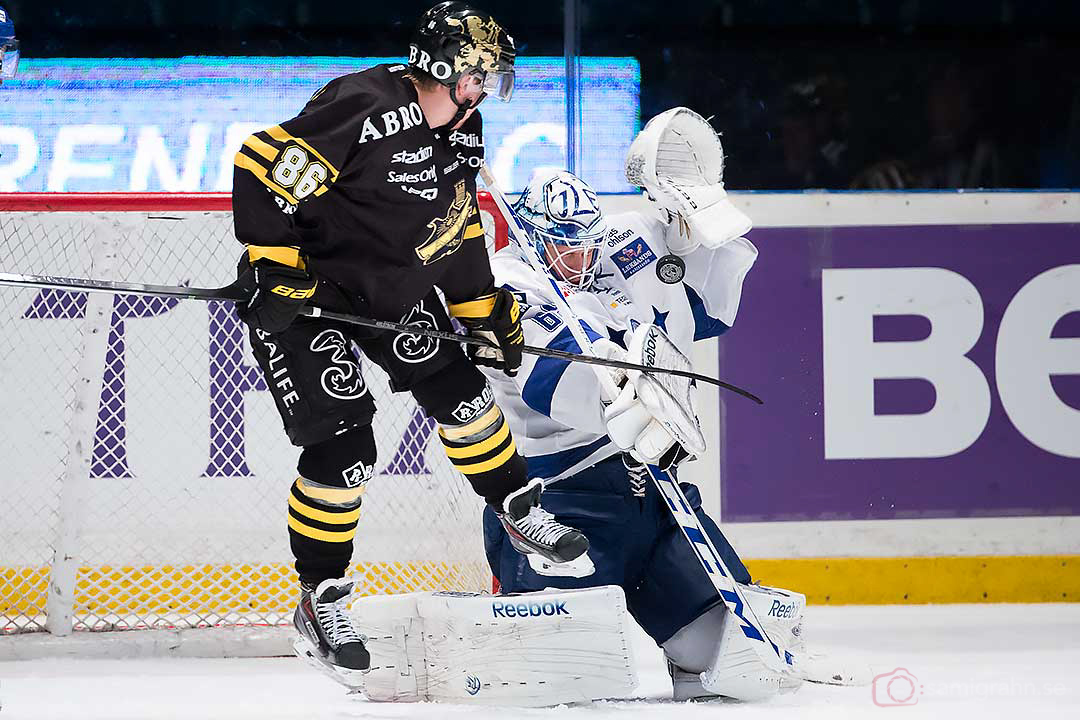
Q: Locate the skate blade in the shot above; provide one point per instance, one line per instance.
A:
(351, 679)
(579, 567)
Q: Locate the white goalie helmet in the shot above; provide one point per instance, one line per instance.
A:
(566, 227)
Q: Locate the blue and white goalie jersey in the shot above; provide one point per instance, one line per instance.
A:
(553, 406)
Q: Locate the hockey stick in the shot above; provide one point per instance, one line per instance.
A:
(237, 293)
(774, 657)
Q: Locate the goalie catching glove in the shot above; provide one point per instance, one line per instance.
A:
(653, 417)
(495, 317)
(679, 161)
(280, 285)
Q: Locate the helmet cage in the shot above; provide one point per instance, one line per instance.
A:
(575, 260)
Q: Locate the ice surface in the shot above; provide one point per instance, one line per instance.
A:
(969, 661)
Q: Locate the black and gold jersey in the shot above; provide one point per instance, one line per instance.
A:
(380, 203)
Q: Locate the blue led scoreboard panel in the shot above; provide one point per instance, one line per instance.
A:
(98, 125)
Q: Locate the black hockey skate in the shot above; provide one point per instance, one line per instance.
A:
(328, 639)
(551, 547)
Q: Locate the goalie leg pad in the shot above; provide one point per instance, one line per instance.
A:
(780, 612)
(736, 671)
(533, 650)
(711, 658)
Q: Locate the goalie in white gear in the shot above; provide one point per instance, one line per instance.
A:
(623, 275)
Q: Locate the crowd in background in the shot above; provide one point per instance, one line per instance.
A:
(837, 94)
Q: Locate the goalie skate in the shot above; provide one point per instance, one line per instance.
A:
(552, 548)
(328, 640)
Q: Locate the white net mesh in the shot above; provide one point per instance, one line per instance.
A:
(146, 472)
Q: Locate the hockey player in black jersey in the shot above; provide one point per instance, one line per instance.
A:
(365, 203)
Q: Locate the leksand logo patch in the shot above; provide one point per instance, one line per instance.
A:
(633, 257)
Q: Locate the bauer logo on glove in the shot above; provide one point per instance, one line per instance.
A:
(294, 293)
(278, 291)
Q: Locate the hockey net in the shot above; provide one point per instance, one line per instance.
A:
(145, 468)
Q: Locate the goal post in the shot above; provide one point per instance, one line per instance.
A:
(145, 470)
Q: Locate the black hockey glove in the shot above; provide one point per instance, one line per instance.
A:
(675, 456)
(495, 317)
(278, 294)
(672, 458)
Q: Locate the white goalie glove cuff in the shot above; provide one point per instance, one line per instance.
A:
(678, 159)
(633, 428)
(710, 227)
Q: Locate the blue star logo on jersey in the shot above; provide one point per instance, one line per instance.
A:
(633, 257)
(660, 318)
(617, 337)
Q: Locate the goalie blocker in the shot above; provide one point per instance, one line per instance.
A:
(654, 414)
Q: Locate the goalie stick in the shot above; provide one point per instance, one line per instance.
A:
(774, 657)
(236, 293)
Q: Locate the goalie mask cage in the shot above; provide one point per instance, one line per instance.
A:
(145, 470)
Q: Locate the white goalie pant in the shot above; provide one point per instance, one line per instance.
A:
(710, 658)
(532, 649)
